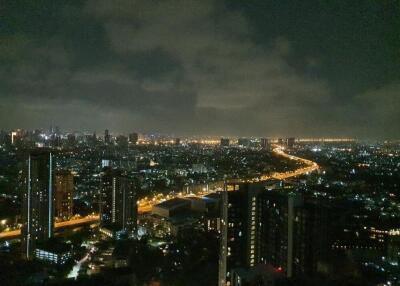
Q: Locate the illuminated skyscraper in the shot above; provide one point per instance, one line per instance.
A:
(64, 187)
(118, 207)
(38, 210)
(239, 229)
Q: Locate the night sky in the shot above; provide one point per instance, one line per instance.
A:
(262, 68)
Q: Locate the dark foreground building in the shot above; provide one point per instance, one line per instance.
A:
(278, 228)
(118, 206)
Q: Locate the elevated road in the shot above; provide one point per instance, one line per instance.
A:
(309, 166)
(145, 205)
(68, 223)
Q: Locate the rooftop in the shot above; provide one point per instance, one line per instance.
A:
(173, 203)
(54, 245)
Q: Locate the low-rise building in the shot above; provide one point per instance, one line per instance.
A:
(54, 252)
(171, 207)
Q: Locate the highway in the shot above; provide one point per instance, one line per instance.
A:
(145, 205)
(72, 222)
(310, 166)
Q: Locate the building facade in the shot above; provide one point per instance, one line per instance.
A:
(38, 200)
(278, 228)
(64, 188)
(239, 220)
(118, 206)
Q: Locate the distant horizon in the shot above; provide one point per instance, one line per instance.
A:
(100, 133)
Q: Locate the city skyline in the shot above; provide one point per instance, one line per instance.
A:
(211, 67)
(79, 207)
(199, 142)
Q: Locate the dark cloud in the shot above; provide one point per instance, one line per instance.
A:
(200, 67)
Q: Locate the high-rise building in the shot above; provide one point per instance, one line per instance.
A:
(224, 142)
(118, 206)
(239, 220)
(94, 138)
(55, 141)
(133, 138)
(5, 138)
(290, 142)
(177, 141)
(64, 188)
(38, 210)
(278, 228)
(91, 139)
(107, 137)
(293, 233)
(122, 141)
(311, 228)
(264, 142)
(244, 142)
(277, 231)
(16, 136)
(71, 140)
